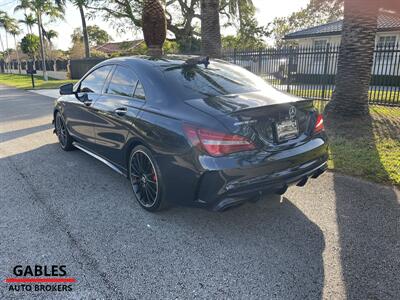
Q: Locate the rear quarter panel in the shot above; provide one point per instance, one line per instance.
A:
(161, 131)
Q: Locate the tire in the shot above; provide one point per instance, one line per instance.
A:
(62, 133)
(146, 180)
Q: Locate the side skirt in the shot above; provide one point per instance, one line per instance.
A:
(103, 160)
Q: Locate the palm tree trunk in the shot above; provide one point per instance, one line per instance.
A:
(4, 57)
(355, 59)
(240, 12)
(39, 17)
(210, 29)
(54, 59)
(18, 60)
(85, 33)
(8, 55)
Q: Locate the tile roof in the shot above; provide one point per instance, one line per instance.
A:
(386, 22)
(115, 47)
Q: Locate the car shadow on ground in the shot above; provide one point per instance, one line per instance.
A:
(368, 218)
(268, 249)
(271, 240)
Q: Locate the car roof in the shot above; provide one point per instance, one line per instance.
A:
(162, 61)
(150, 73)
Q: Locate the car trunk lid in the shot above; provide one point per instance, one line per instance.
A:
(273, 120)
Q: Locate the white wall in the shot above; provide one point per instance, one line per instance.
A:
(388, 63)
(62, 75)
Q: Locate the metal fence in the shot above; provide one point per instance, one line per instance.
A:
(76, 67)
(51, 65)
(79, 67)
(310, 72)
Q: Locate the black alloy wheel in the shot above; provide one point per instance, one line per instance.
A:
(145, 179)
(62, 133)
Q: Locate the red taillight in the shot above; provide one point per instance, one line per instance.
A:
(319, 124)
(217, 143)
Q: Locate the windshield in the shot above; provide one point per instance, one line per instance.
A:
(218, 79)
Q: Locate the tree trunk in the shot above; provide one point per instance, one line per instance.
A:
(240, 17)
(210, 29)
(18, 60)
(84, 31)
(8, 55)
(154, 27)
(186, 44)
(4, 57)
(39, 17)
(355, 59)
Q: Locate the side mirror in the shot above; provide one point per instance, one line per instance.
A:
(67, 89)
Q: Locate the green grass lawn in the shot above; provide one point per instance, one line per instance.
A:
(387, 96)
(367, 147)
(315, 91)
(24, 81)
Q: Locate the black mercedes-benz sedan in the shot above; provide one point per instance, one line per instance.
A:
(191, 130)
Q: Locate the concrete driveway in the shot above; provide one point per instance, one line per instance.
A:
(336, 238)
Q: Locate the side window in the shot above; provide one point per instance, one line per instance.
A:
(93, 83)
(139, 92)
(387, 41)
(123, 82)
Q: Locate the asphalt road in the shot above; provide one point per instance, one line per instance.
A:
(336, 238)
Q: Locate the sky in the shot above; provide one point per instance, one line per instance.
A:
(266, 12)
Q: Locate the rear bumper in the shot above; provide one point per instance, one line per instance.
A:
(242, 178)
(279, 187)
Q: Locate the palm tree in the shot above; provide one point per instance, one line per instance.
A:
(8, 24)
(81, 4)
(210, 28)
(14, 31)
(239, 8)
(29, 20)
(50, 35)
(355, 58)
(3, 17)
(42, 8)
(154, 26)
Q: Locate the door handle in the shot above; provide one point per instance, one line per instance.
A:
(121, 111)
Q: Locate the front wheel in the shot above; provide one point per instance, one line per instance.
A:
(146, 180)
(62, 133)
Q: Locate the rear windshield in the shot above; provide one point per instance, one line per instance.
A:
(218, 79)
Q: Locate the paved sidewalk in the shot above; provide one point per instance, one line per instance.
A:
(52, 93)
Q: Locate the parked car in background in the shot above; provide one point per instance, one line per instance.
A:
(191, 131)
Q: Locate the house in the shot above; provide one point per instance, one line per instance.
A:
(317, 38)
(115, 47)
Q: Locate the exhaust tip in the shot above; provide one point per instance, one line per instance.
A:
(319, 172)
(227, 204)
(282, 190)
(302, 182)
